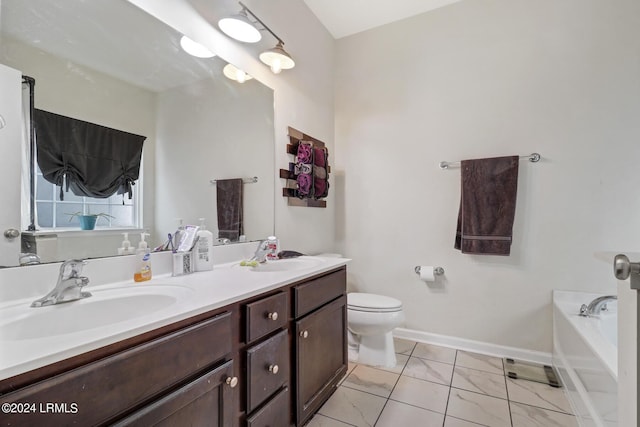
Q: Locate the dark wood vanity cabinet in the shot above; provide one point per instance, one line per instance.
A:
(320, 337)
(272, 360)
(152, 380)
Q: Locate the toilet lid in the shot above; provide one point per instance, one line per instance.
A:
(372, 302)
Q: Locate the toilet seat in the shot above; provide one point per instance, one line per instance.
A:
(372, 303)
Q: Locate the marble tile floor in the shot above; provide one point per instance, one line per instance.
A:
(444, 387)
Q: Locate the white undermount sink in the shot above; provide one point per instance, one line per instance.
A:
(103, 308)
(289, 264)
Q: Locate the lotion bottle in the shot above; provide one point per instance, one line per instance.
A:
(204, 249)
(143, 261)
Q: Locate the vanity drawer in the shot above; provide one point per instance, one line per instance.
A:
(276, 413)
(106, 388)
(266, 316)
(315, 293)
(205, 401)
(267, 368)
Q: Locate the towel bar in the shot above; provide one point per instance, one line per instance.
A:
(251, 180)
(438, 271)
(533, 158)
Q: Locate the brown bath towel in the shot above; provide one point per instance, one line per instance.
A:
(487, 205)
(229, 200)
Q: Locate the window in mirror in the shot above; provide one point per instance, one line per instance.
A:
(52, 213)
(85, 173)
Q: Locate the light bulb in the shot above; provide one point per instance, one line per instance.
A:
(241, 76)
(276, 66)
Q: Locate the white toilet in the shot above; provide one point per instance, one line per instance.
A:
(371, 318)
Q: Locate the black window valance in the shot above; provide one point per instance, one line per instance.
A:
(95, 161)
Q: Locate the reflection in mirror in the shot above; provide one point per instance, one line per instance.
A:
(109, 63)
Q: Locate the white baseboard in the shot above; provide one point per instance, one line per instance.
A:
(474, 346)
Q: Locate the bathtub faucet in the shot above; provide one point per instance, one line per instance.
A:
(596, 306)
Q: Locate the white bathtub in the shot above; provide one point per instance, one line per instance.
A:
(585, 354)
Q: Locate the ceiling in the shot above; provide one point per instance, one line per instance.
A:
(346, 17)
(138, 49)
(113, 37)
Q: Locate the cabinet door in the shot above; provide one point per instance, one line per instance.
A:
(206, 401)
(321, 356)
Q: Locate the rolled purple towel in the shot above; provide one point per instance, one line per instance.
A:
(304, 184)
(319, 158)
(321, 187)
(305, 152)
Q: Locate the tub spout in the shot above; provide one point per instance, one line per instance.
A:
(596, 306)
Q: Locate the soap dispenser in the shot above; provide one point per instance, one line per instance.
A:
(143, 261)
(126, 248)
(204, 248)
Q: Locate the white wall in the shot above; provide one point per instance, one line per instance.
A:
(214, 129)
(303, 98)
(481, 79)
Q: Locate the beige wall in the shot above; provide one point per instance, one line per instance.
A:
(481, 79)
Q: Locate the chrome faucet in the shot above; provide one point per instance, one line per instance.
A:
(596, 306)
(266, 247)
(262, 251)
(69, 286)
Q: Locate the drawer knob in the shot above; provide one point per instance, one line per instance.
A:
(273, 369)
(273, 316)
(232, 381)
(304, 334)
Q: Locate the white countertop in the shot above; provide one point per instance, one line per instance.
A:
(197, 293)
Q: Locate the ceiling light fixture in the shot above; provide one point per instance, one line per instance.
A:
(277, 58)
(234, 73)
(239, 27)
(194, 48)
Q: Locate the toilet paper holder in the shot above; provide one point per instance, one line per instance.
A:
(438, 271)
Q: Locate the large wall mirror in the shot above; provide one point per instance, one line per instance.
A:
(110, 63)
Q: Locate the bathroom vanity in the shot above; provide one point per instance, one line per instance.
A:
(272, 358)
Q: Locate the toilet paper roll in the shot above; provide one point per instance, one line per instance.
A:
(426, 273)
